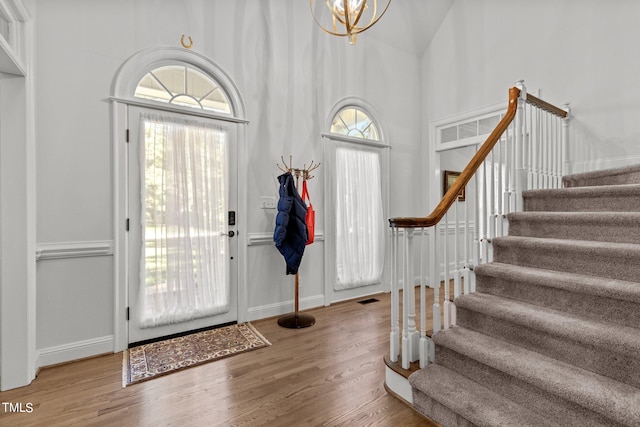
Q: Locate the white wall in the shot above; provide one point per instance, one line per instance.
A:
(290, 75)
(577, 51)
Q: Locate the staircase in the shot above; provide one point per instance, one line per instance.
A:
(551, 337)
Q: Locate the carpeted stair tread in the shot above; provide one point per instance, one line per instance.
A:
(622, 190)
(615, 338)
(625, 250)
(620, 227)
(623, 175)
(610, 398)
(604, 259)
(579, 283)
(609, 300)
(593, 344)
(617, 198)
(473, 402)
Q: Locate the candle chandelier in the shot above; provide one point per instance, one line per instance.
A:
(348, 18)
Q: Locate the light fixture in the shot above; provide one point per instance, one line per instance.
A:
(348, 18)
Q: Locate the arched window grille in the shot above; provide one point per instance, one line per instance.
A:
(354, 122)
(183, 86)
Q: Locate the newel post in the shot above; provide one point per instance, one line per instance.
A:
(410, 335)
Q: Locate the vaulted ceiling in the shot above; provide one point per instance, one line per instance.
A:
(410, 25)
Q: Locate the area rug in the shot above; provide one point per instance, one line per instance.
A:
(149, 361)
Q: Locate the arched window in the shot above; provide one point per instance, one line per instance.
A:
(353, 121)
(356, 157)
(185, 86)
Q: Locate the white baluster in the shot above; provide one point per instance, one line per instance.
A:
(526, 150)
(456, 267)
(519, 158)
(547, 151)
(500, 192)
(445, 251)
(534, 129)
(424, 341)
(435, 279)
(468, 241)
(540, 150)
(394, 338)
(558, 144)
(565, 140)
(475, 249)
(484, 215)
(469, 262)
(492, 204)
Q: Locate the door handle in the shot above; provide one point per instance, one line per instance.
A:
(231, 233)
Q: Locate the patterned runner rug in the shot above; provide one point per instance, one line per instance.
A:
(148, 361)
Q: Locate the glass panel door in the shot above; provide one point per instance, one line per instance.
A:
(182, 188)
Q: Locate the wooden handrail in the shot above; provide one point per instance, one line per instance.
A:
(544, 105)
(452, 194)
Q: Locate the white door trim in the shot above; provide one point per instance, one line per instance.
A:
(122, 90)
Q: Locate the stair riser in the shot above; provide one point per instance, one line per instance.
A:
(590, 180)
(590, 356)
(597, 262)
(625, 313)
(599, 232)
(603, 203)
(438, 412)
(519, 391)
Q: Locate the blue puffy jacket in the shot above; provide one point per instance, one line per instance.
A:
(290, 234)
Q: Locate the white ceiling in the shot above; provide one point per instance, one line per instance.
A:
(410, 24)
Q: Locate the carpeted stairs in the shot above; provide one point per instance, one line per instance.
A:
(552, 335)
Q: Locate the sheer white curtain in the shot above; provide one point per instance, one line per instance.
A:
(184, 260)
(360, 225)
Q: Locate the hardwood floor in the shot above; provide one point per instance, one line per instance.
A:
(329, 374)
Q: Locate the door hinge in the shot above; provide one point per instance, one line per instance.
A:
(127, 313)
(127, 135)
(127, 224)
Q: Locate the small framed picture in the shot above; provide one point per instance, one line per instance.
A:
(449, 179)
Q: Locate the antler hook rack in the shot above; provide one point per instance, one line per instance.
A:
(304, 172)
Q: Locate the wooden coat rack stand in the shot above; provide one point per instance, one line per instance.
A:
(297, 320)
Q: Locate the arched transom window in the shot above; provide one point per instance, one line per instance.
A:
(354, 122)
(183, 86)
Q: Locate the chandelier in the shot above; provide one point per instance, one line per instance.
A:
(348, 18)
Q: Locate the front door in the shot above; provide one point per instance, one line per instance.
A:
(182, 250)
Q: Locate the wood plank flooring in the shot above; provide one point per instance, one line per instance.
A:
(329, 374)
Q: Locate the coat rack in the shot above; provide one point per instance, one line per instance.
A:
(297, 320)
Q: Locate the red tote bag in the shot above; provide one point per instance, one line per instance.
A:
(311, 214)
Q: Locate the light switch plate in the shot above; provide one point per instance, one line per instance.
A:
(267, 202)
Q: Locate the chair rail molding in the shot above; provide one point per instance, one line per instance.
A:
(46, 251)
(258, 239)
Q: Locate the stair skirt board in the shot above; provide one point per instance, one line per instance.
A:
(552, 334)
(398, 385)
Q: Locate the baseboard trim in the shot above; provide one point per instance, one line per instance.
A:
(74, 351)
(276, 309)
